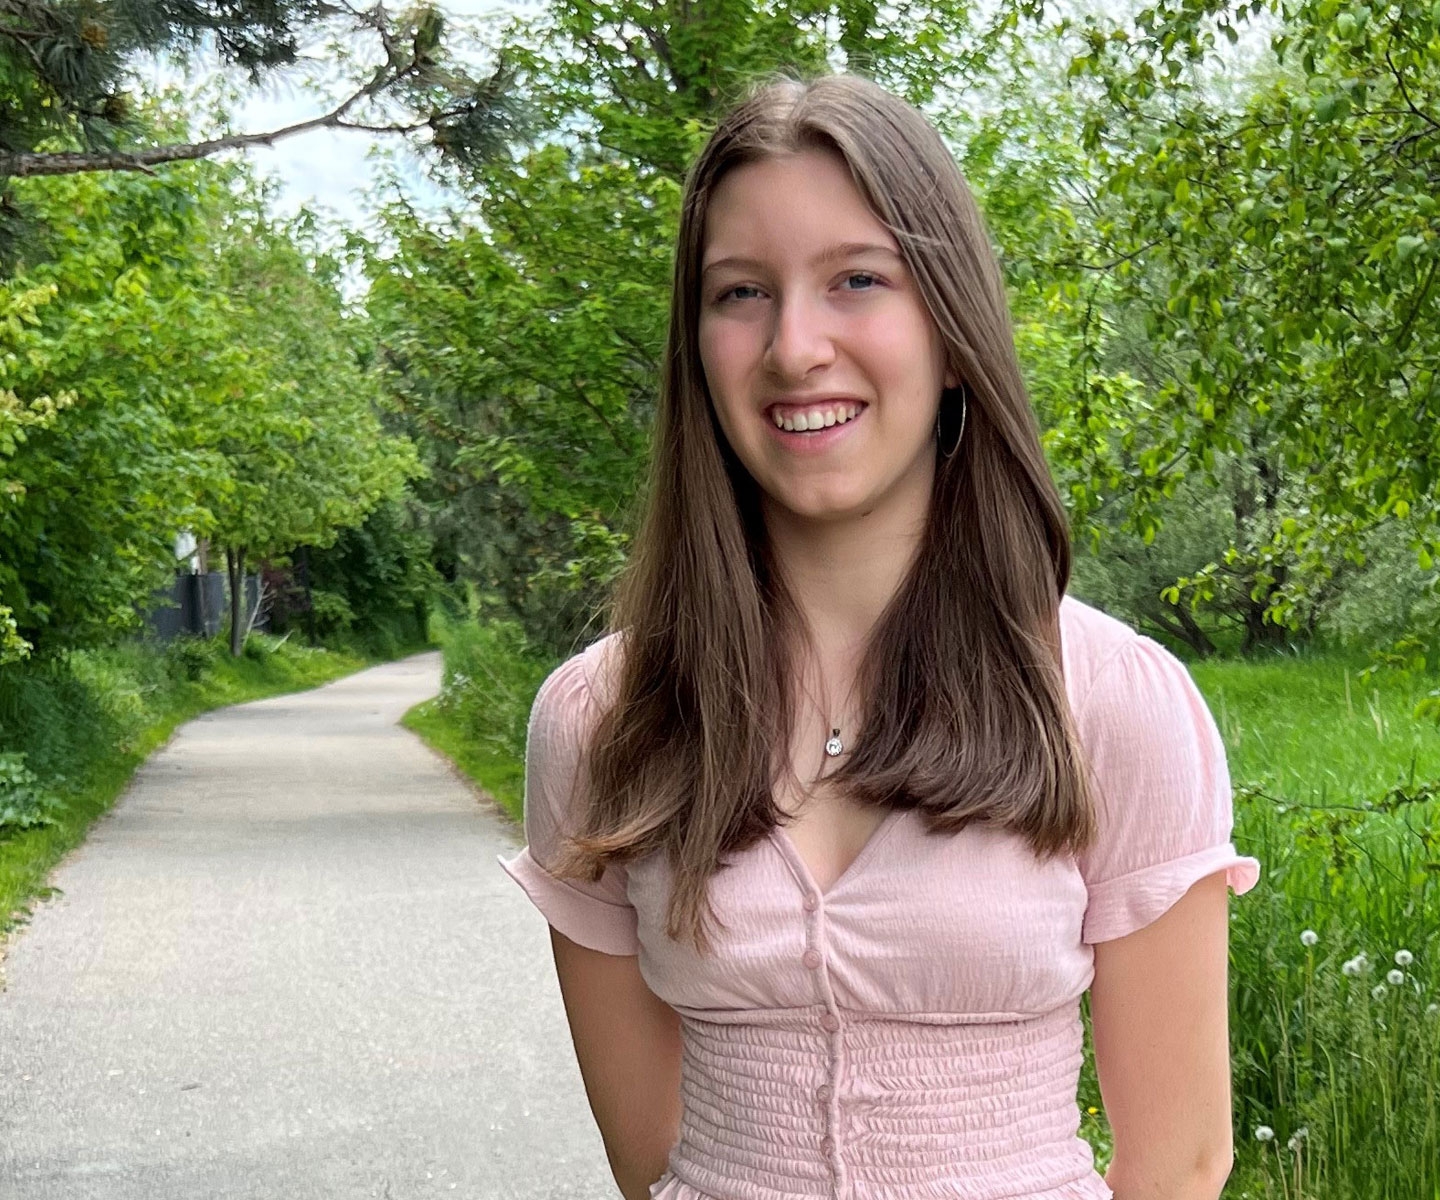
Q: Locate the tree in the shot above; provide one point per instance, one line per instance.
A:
(132, 340)
(305, 451)
(18, 418)
(1283, 245)
(63, 73)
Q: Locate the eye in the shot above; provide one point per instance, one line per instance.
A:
(867, 279)
(732, 293)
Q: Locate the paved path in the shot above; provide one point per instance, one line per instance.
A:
(287, 966)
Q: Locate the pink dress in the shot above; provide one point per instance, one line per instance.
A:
(914, 1032)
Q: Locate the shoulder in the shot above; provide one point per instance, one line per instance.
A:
(573, 694)
(1092, 643)
(1128, 690)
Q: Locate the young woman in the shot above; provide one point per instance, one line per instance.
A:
(836, 827)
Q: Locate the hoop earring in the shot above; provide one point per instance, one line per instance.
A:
(964, 408)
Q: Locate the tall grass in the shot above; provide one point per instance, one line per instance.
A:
(1335, 1029)
(492, 672)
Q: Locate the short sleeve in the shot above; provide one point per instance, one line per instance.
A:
(1163, 797)
(597, 915)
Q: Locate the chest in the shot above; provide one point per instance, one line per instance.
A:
(968, 926)
(828, 833)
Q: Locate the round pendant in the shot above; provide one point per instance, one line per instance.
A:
(834, 745)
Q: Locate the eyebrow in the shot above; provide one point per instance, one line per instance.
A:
(828, 255)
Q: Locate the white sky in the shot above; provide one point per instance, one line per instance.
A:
(336, 171)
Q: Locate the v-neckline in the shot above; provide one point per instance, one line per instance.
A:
(806, 878)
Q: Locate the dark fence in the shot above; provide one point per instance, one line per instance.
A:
(199, 604)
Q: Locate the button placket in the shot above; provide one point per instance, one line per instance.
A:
(828, 1093)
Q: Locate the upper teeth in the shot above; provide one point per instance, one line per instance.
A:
(816, 418)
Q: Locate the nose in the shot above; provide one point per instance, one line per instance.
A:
(800, 339)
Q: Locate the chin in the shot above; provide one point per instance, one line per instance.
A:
(820, 508)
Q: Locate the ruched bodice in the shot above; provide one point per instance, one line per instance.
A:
(913, 1033)
(879, 1109)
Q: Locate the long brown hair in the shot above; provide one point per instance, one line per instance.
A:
(965, 716)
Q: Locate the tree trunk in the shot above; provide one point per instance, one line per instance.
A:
(235, 566)
(1177, 621)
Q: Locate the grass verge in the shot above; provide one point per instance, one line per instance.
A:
(500, 774)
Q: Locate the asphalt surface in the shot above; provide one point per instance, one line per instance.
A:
(286, 965)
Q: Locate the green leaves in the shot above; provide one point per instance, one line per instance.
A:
(1289, 303)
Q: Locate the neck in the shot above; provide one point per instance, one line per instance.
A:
(843, 573)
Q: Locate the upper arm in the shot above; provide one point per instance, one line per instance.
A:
(1156, 878)
(1162, 792)
(1159, 1018)
(595, 913)
(627, 1042)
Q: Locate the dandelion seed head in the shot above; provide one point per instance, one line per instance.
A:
(1404, 958)
(1378, 992)
(1309, 937)
(1263, 1133)
(1395, 978)
(1354, 966)
(1432, 1009)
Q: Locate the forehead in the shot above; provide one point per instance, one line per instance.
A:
(789, 206)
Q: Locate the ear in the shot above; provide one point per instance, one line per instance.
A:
(952, 378)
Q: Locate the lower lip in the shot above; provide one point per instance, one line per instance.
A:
(813, 441)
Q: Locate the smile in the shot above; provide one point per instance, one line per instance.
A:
(817, 416)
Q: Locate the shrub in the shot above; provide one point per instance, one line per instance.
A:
(192, 656)
(24, 803)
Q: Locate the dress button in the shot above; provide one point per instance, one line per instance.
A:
(823, 1093)
(811, 902)
(827, 1145)
(811, 959)
(830, 1021)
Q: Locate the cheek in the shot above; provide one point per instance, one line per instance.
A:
(723, 349)
(724, 359)
(898, 344)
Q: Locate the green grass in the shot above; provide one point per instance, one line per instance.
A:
(125, 703)
(1308, 731)
(498, 773)
(478, 720)
(1335, 1054)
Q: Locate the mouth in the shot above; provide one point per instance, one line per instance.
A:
(814, 416)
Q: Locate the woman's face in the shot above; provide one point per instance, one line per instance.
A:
(821, 358)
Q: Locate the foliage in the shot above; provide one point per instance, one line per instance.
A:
(371, 588)
(24, 803)
(492, 673)
(211, 381)
(17, 311)
(192, 655)
(305, 451)
(1282, 244)
(131, 336)
(541, 446)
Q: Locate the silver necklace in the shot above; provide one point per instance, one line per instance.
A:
(834, 747)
